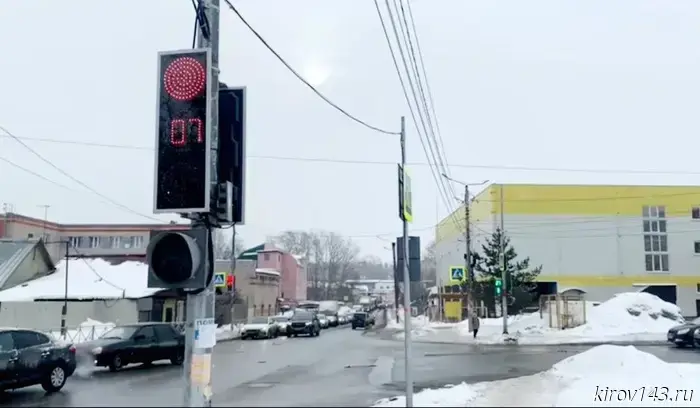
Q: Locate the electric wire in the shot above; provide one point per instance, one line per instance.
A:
(301, 78)
(78, 181)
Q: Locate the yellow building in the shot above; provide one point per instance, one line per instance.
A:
(600, 240)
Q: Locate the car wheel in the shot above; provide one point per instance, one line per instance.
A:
(178, 359)
(116, 364)
(54, 379)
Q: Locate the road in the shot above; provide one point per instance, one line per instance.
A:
(340, 368)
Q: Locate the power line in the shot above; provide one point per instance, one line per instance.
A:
(301, 78)
(384, 163)
(87, 187)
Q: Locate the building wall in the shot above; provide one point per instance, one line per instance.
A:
(47, 315)
(291, 271)
(258, 291)
(591, 237)
(92, 240)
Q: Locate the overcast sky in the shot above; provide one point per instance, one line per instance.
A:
(559, 84)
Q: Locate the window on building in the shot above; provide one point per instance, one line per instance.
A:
(655, 241)
(138, 241)
(115, 242)
(94, 242)
(74, 242)
(266, 257)
(697, 247)
(697, 287)
(695, 213)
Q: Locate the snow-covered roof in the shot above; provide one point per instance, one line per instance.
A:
(87, 279)
(268, 271)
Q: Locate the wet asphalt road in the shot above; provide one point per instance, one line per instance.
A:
(340, 368)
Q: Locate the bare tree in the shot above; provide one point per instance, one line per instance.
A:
(222, 244)
(429, 264)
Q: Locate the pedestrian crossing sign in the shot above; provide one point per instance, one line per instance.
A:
(457, 274)
(220, 279)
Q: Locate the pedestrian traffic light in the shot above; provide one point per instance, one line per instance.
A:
(183, 145)
(177, 259)
(498, 285)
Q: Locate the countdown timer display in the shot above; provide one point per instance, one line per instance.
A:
(183, 145)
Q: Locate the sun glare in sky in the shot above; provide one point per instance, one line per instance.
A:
(316, 73)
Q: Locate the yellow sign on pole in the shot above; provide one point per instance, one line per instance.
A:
(407, 196)
(457, 274)
(200, 373)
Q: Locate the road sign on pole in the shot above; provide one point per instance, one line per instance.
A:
(220, 279)
(457, 274)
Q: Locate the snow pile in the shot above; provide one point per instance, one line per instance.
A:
(87, 279)
(86, 331)
(420, 325)
(625, 317)
(228, 332)
(602, 376)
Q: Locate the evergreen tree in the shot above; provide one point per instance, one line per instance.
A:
(519, 274)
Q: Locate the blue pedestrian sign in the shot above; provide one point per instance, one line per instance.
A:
(220, 279)
(457, 274)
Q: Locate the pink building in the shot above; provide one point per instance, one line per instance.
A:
(292, 271)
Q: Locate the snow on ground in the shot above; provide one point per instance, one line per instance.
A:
(228, 332)
(420, 325)
(640, 317)
(87, 279)
(604, 376)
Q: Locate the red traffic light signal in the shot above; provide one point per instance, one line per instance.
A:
(183, 146)
(230, 281)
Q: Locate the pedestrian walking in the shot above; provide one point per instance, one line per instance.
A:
(475, 323)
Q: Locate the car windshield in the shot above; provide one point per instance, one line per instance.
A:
(696, 320)
(259, 320)
(120, 332)
(301, 316)
(359, 315)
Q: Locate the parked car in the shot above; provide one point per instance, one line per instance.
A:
(260, 327)
(282, 323)
(323, 320)
(683, 335)
(29, 357)
(332, 319)
(304, 322)
(362, 319)
(135, 343)
(342, 320)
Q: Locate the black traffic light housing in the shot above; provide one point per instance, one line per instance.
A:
(232, 147)
(178, 259)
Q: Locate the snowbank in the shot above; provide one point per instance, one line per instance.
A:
(87, 279)
(630, 317)
(584, 380)
(420, 325)
(228, 332)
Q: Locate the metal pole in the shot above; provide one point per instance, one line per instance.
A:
(64, 309)
(504, 271)
(406, 286)
(200, 307)
(396, 281)
(468, 258)
(46, 216)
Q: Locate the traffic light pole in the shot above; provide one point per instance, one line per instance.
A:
(200, 306)
(504, 269)
(406, 286)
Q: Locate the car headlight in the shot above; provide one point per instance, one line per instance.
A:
(97, 350)
(683, 331)
(697, 332)
(308, 323)
(264, 329)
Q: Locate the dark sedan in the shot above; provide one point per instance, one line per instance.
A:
(137, 343)
(683, 335)
(304, 322)
(28, 357)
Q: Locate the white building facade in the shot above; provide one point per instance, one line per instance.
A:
(599, 240)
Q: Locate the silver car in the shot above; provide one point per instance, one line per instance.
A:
(323, 319)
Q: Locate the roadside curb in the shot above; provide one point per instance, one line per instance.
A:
(391, 335)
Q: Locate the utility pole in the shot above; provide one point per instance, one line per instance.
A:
(468, 258)
(504, 271)
(396, 282)
(64, 309)
(200, 306)
(46, 216)
(406, 286)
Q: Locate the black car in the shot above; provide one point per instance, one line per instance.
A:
(361, 319)
(135, 343)
(304, 322)
(29, 357)
(682, 335)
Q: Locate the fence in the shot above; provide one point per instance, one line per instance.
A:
(85, 333)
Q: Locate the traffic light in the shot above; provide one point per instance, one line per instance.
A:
(232, 147)
(177, 259)
(183, 146)
(498, 285)
(230, 282)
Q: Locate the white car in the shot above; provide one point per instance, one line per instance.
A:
(282, 323)
(323, 319)
(260, 327)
